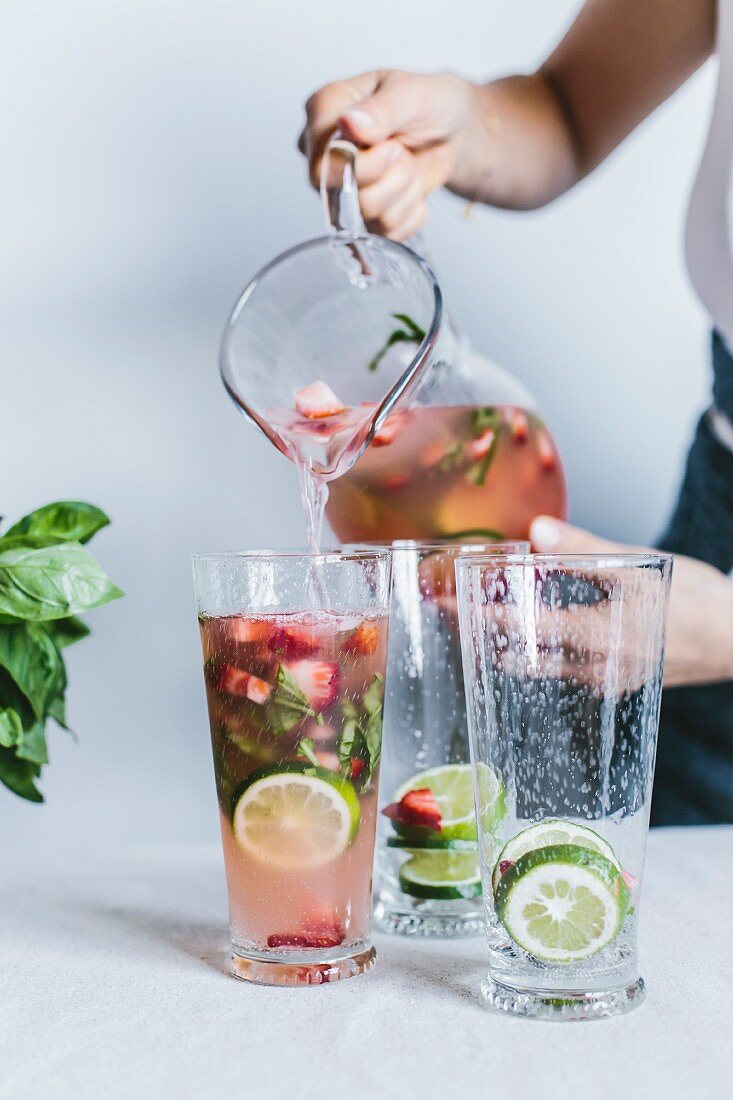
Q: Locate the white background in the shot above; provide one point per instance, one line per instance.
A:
(147, 169)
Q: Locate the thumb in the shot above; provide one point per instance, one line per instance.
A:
(552, 536)
(396, 105)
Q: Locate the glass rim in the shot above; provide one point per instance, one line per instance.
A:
(591, 561)
(288, 554)
(478, 548)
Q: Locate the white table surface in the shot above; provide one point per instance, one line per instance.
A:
(114, 986)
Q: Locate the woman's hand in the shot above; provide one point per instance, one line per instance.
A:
(700, 626)
(408, 125)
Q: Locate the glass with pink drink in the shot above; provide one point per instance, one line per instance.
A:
(294, 649)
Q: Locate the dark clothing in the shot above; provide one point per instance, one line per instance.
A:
(694, 775)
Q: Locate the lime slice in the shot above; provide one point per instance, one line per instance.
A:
(433, 841)
(552, 830)
(453, 789)
(562, 903)
(444, 876)
(292, 819)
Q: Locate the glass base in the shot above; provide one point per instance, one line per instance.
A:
(561, 1005)
(277, 972)
(426, 919)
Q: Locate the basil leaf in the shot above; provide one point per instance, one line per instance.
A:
(32, 745)
(484, 418)
(28, 654)
(56, 709)
(306, 749)
(52, 582)
(411, 334)
(67, 631)
(18, 775)
(11, 727)
(66, 520)
(349, 735)
(372, 704)
(289, 705)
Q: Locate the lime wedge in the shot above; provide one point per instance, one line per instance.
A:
(294, 819)
(563, 903)
(453, 789)
(444, 876)
(550, 831)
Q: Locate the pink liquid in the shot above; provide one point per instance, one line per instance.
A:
(439, 472)
(305, 904)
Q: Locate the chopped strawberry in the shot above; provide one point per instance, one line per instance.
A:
(434, 453)
(357, 766)
(546, 451)
(317, 933)
(631, 880)
(248, 631)
(318, 680)
(237, 681)
(388, 432)
(505, 865)
(364, 640)
(480, 447)
(519, 426)
(295, 641)
(394, 482)
(328, 760)
(318, 400)
(418, 807)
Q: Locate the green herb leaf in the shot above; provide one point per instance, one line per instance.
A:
(57, 710)
(484, 418)
(30, 657)
(32, 745)
(66, 520)
(410, 334)
(289, 705)
(350, 736)
(18, 775)
(67, 631)
(51, 582)
(372, 704)
(306, 749)
(11, 727)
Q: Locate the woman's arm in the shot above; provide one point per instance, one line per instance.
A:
(518, 142)
(617, 63)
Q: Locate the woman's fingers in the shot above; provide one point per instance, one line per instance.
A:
(324, 109)
(551, 536)
(394, 204)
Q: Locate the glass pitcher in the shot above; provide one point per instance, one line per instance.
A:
(301, 355)
(470, 458)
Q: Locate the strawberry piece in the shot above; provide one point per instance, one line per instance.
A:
(249, 631)
(364, 640)
(318, 680)
(328, 760)
(520, 426)
(294, 641)
(505, 865)
(389, 430)
(434, 453)
(394, 482)
(479, 448)
(318, 400)
(631, 880)
(418, 807)
(357, 766)
(237, 681)
(320, 933)
(546, 451)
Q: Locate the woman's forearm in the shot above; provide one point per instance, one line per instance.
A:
(517, 149)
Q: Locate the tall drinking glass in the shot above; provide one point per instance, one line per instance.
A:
(428, 881)
(294, 648)
(563, 661)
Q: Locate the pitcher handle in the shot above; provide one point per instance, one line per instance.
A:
(339, 191)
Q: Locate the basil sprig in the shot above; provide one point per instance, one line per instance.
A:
(47, 578)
